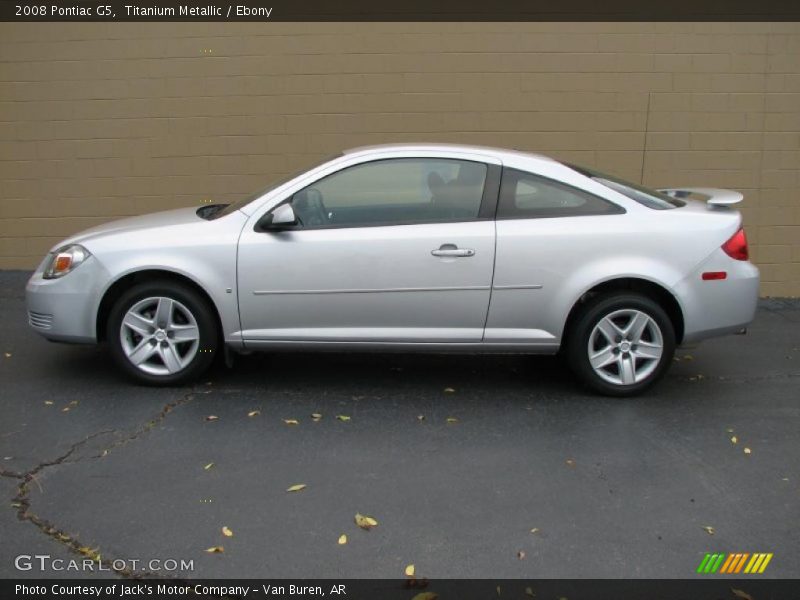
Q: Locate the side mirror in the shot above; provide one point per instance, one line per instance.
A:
(282, 217)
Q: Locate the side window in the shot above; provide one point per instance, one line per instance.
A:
(393, 192)
(527, 196)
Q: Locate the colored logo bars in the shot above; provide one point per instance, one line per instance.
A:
(734, 563)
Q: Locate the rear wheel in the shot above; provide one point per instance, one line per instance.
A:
(621, 344)
(162, 333)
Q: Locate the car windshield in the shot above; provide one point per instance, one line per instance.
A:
(649, 198)
(229, 208)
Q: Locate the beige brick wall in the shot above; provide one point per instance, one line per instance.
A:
(103, 120)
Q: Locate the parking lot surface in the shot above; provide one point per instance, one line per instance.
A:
(476, 467)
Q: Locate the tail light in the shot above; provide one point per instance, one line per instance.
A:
(736, 247)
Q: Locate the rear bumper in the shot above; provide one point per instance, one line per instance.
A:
(65, 309)
(718, 307)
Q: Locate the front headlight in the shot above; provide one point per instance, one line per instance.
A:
(64, 260)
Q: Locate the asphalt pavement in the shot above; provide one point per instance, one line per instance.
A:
(476, 467)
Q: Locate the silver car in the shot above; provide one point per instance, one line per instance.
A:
(433, 248)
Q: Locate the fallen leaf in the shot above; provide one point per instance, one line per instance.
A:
(420, 417)
(316, 416)
(521, 555)
(296, 487)
(227, 532)
(529, 592)
(48, 402)
(208, 466)
(708, 529)
(74, 403)
(365, 522)
(254, 413)
(65, 409)
(535, 530)
(342, 540)
(729, 430)
(452, 420)
(688, 357)
(215, 550)
(426, 596)
(570, 462)
(212, 418)
(734, 440)
(741, 594)
(449, 390)
(343, 417)
(498, 590)
(409, 571)
(291, 421)
(747, 450)
(8, 354)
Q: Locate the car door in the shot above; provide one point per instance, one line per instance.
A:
(391, 250)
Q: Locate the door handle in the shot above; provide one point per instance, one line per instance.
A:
(452, 250)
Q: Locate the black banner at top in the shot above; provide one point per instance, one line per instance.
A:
(399, 10)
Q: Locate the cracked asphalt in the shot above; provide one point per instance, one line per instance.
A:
(95, 466)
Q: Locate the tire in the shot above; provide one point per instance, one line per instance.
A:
(630, 338)
(162, 333)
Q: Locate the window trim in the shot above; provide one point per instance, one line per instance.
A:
(486, 210)
(616, 209)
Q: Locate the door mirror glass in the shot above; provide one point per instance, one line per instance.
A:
(282, 217)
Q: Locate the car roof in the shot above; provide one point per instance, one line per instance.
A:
(500, 153)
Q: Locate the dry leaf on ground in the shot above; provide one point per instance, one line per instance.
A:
(208, 466)
(365, 522)
(741, 594)
(296, 487)
(747, 451)
(212, 418)
(342, 540)
(215, 550)
(708, 529)
(452, 420)
(254, 413)
(227, 532)
(409, 571)
(343, 417)
(291, 421)
(449, 390)
(316, 416)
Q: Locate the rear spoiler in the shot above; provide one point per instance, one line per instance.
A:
(713, 196)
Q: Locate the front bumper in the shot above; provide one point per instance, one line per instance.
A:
(65, 309)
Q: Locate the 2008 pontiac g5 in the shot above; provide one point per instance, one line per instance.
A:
(421, 247)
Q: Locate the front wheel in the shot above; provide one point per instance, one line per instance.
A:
(162, 333)
(621, 344)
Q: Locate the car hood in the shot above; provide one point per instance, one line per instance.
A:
(150, 221)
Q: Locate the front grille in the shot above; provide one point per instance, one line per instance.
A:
(40, 320)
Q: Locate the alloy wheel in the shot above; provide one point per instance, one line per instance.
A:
(159, 335)
(625, 346)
